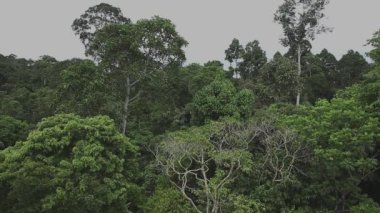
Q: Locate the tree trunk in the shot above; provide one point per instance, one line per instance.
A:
(299, 75)
(126, 105)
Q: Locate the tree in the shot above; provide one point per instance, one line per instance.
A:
(215, 63)
(215, 100)
(130, 53)
(45, 72)
(167, 200)
(369, 94)
(209, 165)
(94, 19)
(300, 20)
(201, 161)
(11, 131)
(375, 42)
(69, 164)
(276, 82)
(254, 59)
(233, 54)
(330, 69)
(341, 136)
(220, 99)
(315, 78)
(351, 68)
(200, 76)
(83, 90)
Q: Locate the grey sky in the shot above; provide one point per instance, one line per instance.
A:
(31, 28)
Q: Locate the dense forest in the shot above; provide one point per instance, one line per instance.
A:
(134, 129)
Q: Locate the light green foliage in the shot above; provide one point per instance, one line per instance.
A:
(220, 99)
(69, 164)
(216, 100)
(340, 136)
(244, 100)
(165, 200)
(11, 131)
(244, 204)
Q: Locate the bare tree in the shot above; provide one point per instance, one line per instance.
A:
(201, 162)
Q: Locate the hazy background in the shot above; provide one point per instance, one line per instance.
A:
(31, 28)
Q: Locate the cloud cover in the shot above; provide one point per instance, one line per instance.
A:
(30, 29)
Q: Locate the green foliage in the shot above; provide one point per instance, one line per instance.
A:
(83, 90)
(130, 53)
(352, 66)
(341, 137)
(220, 99)
(29, 88)
(69, 164)
(300, 21)
(215, 100)
(367, 205)
(316, 83)
(203, 161)
(244, 100)
(200, 76)
(254, 59)
(11, 131)
(95, 18)
(375, 42)
(167, 200)
(369, 90)
(244, 204)
(210, 140)
(277, 82)
(31, 106)
(234, 51)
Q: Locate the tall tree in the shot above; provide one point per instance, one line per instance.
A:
(276, 82)
(330, 68)
(96, 18)
(300, 20)
(375, 42)
(254, 59)
(233, 55)
(131, 53)
(351, 68)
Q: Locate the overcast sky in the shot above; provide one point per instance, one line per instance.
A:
(31, 28)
